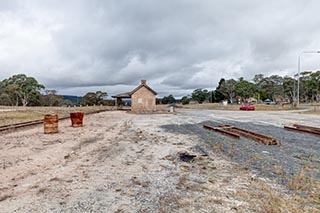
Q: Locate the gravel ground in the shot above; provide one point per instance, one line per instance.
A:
(121, 162)
(117, 162)
(279, 162)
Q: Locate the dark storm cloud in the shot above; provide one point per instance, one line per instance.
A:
(178, 46)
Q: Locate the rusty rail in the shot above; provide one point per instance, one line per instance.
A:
(36, 122)
(20, 125)
(222, 131)
(301, 130)
(312, 128)
(267, 140)
(23, 124)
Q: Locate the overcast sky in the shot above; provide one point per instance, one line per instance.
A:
(77, 46)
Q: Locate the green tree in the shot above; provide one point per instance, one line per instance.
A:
(171, 99)
(94, 98)
(5, 99)
(200, 95)
(218, 95)
(168, 99)
(306, 86)
(185, 100)
(245, 89)
(164, 100)
(315, 84)
(272, 87)
(289, 85)
(228, 89)
(257, 79)
(22, 89)
(52, 99)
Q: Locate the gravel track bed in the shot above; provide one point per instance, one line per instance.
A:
(279, 162)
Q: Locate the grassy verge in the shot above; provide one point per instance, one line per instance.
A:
(270, 199)
(12, 115)
(301, 194)
(314, 110)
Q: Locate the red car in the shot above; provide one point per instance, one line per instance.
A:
(247, 107)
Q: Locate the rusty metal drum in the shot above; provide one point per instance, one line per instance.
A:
(50, 124)
(76, 119)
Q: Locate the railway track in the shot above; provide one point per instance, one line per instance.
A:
(237, 132)
(304, 129)
(222, 131)
(37, 122)
(265, 139)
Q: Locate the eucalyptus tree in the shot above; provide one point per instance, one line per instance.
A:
(217, 94)
(51, 98)
(272, 87)
(245, 89)
(228, 89)
(94, 98)
(168, 100)
(289, 86)
(200, 95)
(21, 89)
(185, 100)
(315, 83)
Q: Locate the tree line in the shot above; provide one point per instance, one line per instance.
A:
(22, 90)
(276, 88)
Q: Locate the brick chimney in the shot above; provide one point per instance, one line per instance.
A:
(144, 82)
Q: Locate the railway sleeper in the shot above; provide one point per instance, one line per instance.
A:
(222, 131)
(267, 140)
(312, 128)
(301, 130)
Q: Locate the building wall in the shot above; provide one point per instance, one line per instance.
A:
(143, 101)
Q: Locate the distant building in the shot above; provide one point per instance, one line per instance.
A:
(143, 98)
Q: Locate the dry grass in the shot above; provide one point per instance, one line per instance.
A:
(314, 111)
(304, 195)
(270, 199)
(11, 115)
(308, 186)
(301, 182)
(218, 148)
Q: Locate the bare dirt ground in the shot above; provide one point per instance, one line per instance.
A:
(120, 162)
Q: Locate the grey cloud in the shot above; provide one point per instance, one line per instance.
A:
(76, 46)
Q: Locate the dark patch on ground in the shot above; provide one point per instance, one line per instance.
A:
(279, 162)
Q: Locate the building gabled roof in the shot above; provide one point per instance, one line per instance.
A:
(128, 94)
(143, 85)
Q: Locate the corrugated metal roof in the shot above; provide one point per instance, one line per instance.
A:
(122, 95)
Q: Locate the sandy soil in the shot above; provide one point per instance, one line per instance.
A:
(117, 162)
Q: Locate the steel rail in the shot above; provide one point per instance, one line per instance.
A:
(20, 125)
(312, 128)
(301, 130)
(222, 131)
(37, 122)
(267, 140)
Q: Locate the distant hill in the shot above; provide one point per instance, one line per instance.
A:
(74, 99)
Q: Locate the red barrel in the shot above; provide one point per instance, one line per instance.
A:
(50, 124)
(76, 119)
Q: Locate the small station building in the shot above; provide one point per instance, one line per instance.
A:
(143, 98)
